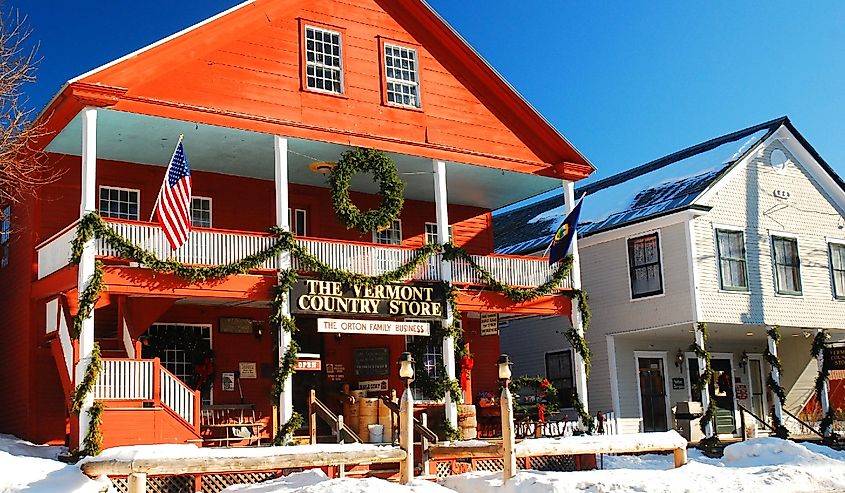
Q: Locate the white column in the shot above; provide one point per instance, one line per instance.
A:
(508, 437)
(773, 348)
(406, 436)
(705, 392)
(824, 398)
(88, 203)
(441, 205)
(280, 146)
(576, 317)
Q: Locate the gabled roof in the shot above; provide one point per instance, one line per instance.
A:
(663, 186)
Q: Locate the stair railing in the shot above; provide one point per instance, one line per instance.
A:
(316, 408)
(742, 411)
(805, 424)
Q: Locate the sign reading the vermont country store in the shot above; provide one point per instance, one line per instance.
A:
(316, 297)
(834, 358)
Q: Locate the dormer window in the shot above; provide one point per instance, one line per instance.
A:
(401, 76)
(323, 60)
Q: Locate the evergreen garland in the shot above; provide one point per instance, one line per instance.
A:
(540, 386)
(92, 372)
(452, 434)
(391, 188)
(702, 384)
(285, 433)
(87, 299)
(583, 415)
(817, 349)
(774, 362)
(92, 444)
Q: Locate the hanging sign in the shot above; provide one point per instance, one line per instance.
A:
(382, 327)
(834, 358)
(489, 324)
(316, 297)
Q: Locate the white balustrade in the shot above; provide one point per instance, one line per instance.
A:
(177, 396)
(124, 379)
(210, 247)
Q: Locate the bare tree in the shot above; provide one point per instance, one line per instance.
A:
(22, 167)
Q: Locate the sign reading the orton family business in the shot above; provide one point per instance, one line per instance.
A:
(834, 358)
(316, 297)
(378, 327)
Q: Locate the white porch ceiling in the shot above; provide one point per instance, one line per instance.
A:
(150, 140)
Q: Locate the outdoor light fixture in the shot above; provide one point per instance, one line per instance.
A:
(406, 368)
(505, 364)
(679, 358)
(322, 167)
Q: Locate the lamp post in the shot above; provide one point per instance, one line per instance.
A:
(406, 418)
(508, 440)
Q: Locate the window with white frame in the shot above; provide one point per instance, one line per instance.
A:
(837, 268)
(323, 60)
(298, 220)
(391, 235)
(559, 372)
(787, 265)
(177, 358)
(5, 235)
(644, 263)
(732, 262)
(431, 233)
(201, 212)
(119, 203)
(402, 76)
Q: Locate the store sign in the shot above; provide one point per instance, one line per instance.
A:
(315, 297)
(378, 327)
(834, 358)
(373, 385)
(489, 324)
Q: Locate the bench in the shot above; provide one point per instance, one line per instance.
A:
(236, 422)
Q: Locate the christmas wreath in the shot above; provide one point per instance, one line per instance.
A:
(391, 188)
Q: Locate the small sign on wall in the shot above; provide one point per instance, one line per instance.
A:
(678, 383)
(227, 381)
(742, 392)
(373, 385)
(231, 325)
(489, 324)
(248, 370)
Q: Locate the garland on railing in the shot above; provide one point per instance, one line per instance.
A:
(774, 362)
(285, 433)
(92, 372)
(817, 349)
(702, 383)
(452, 434)
(92, 444)
(87, 299)
(280, 322)
(583, 415)
(542, 388)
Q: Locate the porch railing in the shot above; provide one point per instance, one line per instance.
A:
(214, 247)
(178, 397)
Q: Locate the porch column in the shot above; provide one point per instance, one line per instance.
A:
(773, 348)
(280, 146)
(441, 205)
(575, 316)
(705, 392)
(824, 398)
(88, 204)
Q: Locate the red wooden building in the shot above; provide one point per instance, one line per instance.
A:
(261, 93)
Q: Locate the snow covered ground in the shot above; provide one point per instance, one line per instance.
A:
(34, 469)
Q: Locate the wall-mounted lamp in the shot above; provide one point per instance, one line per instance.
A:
(743, 360)
(679, 358)
(257, 328)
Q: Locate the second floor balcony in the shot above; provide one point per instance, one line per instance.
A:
(208, 246)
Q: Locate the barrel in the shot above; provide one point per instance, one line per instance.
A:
(367, 415)
(385, 418)
(350, 414)
(467, 422)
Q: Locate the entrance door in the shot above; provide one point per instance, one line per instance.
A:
(652, 393)
(722, 388)
(758, 389)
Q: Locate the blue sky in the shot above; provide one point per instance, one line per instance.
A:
(626, 82)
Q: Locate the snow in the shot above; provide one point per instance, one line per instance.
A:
(316, 481)
(667, 440)
(25, 466)
(465, 443)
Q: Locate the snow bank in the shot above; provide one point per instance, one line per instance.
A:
(39, 475)
(584, 444)
(15, 446)
(316, 481)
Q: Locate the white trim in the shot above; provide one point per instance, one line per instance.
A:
(662, 292)
(780, 234)
(718, 256)
(833, 294)
(614, 375)
(758, 357)
(305, 27)
(401, 236)
(637, 229)
(157, 43)
(123, 189)
(210, 210)
(666, 389)
(692, 256)
(832, 190)
(707, 195)
(387, 80)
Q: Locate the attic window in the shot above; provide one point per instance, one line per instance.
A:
(323, 60)
(401, 76)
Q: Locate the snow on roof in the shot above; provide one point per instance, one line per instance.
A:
(667, 184)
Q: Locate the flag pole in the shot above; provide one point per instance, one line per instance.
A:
(166, 171)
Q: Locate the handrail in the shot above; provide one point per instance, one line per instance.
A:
(742, 411)
(177, 396)
(796, 418)
(418, 426)
(317, 408)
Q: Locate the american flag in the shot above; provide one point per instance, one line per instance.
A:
(174, 199)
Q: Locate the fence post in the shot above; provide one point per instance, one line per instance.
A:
(742, 424)
(312, 416)
(424, 459)
(508, 440)
(406, 436)
(138, 482)
(157, 382)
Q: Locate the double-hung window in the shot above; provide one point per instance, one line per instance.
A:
(323, 60)
(837, 269)
(787, 265)
(401, 76)
(298, 220)
(733, 273)
(644, 263)
(5, 234)
(560, 375)
(431, 233)
(119, 203)
(201, 212)
(391, 235)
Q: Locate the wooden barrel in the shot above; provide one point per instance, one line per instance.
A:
(385, 419)
(367, 415)
(350, 414)
(467, 422)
